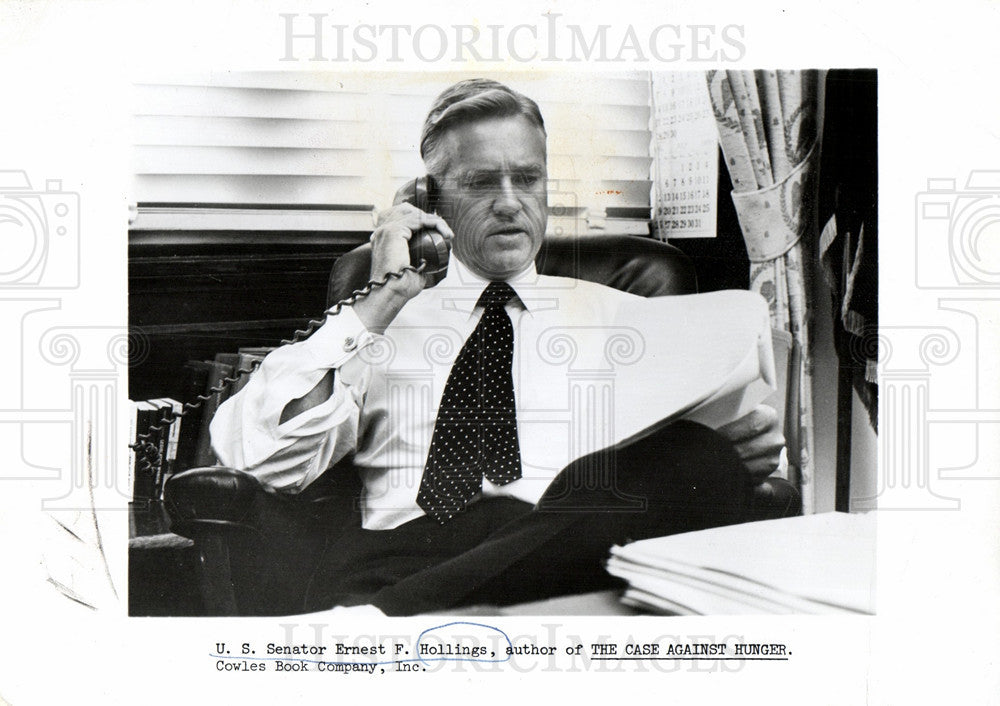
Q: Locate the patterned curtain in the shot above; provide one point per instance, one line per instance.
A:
(770, 124)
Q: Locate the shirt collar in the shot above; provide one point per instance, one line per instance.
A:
(461, 287)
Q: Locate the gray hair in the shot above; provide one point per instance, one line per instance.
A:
(465, 102)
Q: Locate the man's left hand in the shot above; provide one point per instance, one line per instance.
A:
(758, 440)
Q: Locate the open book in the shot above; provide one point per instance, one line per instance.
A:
(814, 564)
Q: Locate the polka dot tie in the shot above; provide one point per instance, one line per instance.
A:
(475, 434)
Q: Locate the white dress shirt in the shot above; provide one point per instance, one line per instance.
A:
(581, 371)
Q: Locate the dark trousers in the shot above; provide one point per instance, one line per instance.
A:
(501, 551)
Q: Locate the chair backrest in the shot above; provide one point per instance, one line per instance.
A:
(641, 266)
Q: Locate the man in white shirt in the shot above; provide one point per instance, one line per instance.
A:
(477, 488)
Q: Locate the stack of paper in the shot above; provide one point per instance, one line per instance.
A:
(812, 564)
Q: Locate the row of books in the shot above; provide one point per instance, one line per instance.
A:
(185, 442)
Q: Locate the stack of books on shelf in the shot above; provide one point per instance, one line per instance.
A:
(815, 564)
(161, 455)
(185, 442)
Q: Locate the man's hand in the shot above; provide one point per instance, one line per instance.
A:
(390, 245)
(758, 441)
(391, 253)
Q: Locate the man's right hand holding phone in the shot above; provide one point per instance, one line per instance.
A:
(391, 253)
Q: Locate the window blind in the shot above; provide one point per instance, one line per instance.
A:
(332, 145)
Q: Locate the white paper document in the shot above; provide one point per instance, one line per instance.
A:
(708, 358)
(812, 564)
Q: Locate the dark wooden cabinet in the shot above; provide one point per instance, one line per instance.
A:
(195, 294)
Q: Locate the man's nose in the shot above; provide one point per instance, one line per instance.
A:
(506, 202)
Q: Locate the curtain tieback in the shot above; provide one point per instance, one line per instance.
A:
(774, 218)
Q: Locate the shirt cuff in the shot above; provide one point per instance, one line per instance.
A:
(338, 339)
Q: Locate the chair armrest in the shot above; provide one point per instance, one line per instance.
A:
(257, 546)
(211, 500)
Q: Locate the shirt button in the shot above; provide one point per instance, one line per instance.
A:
(350, 344)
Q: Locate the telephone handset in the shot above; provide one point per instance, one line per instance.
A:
(428, 255)
(428, 245)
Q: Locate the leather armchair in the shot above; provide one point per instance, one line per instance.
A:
(258, 547)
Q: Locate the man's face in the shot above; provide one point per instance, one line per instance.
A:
(494, 194)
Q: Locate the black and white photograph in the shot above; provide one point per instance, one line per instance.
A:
(402, 455)
(499, 352)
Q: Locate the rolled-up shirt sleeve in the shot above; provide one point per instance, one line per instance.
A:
(247, 433)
